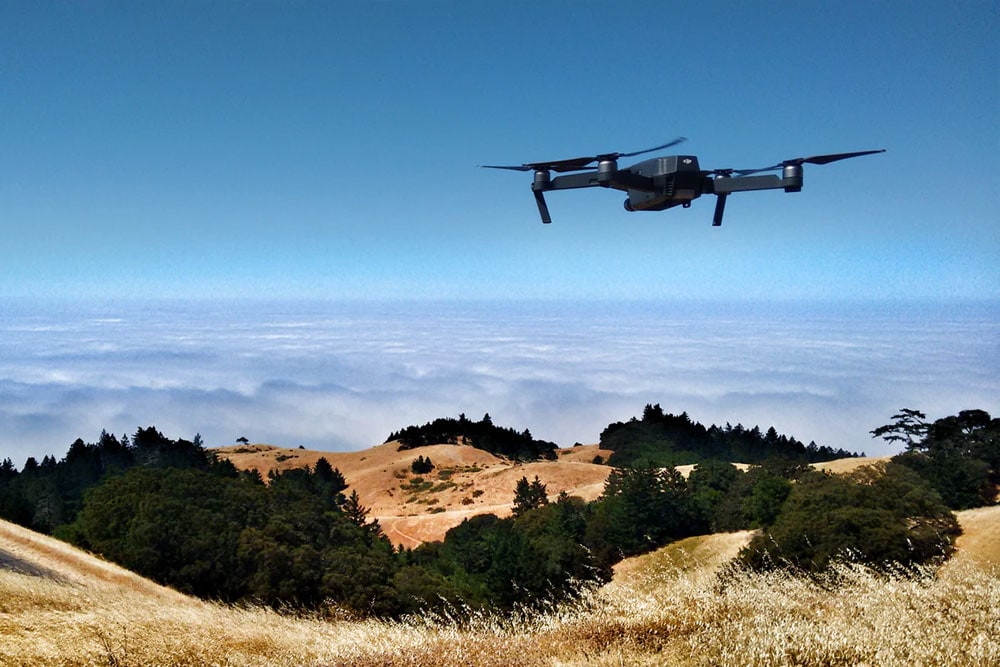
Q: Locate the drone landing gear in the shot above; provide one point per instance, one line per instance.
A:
(720, 208)
(543, 209)
(542, 182)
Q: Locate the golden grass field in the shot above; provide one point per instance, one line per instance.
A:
(665, 608)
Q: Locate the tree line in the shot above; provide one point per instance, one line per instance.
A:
(660, 439)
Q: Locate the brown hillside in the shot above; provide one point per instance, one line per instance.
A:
(841, 466)
(27, 552)
(465, 481)
(65, 608)
(980, 538)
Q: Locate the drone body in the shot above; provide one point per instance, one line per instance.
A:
(664, 182)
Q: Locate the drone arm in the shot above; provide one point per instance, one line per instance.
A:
(586, 179)
(725, 185)
(791, 181)
(620, 180)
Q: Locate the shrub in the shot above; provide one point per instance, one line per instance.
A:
(880, 515)
(421, 465)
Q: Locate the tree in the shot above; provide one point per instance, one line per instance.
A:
(421, 465)
(959, 455)
(879, 515)
(529, 495)
(908, 428)
(178, 527)
(708, 484)
(640, 510)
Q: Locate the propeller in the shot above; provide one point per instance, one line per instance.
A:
(815, 159)
(579, 163)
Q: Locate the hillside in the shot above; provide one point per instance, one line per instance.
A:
(465, 481)
(67, 608)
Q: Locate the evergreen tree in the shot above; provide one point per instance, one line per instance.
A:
(529, 495)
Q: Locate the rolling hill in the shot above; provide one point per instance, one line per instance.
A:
(465, 481)
(61, 606)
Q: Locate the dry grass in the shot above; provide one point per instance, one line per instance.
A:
(664, 608)
(843, 466)
(465, 481)
(478, 482)
(980, 538)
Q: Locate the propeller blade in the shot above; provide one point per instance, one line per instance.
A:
(678, 140)
(572, 164)
(833, 157)
(580, 163)
(815, 159)
(522, 167)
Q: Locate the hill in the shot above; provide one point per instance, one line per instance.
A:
(465, 481)
(61, 606)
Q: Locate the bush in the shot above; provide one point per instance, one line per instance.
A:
(880, 515)
(421, 465)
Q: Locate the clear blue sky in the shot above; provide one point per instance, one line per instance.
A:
(331, 148)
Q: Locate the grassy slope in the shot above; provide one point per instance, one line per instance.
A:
(664, 608)
(465, 482)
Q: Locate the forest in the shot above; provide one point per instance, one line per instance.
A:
(172, 511)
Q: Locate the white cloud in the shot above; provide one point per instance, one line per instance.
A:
(342, 376)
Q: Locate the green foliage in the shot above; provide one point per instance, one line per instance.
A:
(483, 434)
(529, 495)
(48, 495)
(908, 427)
(293, 541)
(709, 483)
(958, 455)
(421, 465)
(879, 515)
(659, 440)
(535, 557)
(641, 509)
(179, 527)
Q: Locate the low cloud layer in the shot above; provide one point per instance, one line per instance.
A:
(339, 376)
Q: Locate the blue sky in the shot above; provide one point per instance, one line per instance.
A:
(330, 149)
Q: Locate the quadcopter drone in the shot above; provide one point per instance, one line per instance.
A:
(664, 182)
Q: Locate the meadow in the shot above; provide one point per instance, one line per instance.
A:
(668, 607)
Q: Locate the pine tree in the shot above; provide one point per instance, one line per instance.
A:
(529, 495)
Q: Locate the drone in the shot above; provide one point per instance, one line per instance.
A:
(660, 183)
